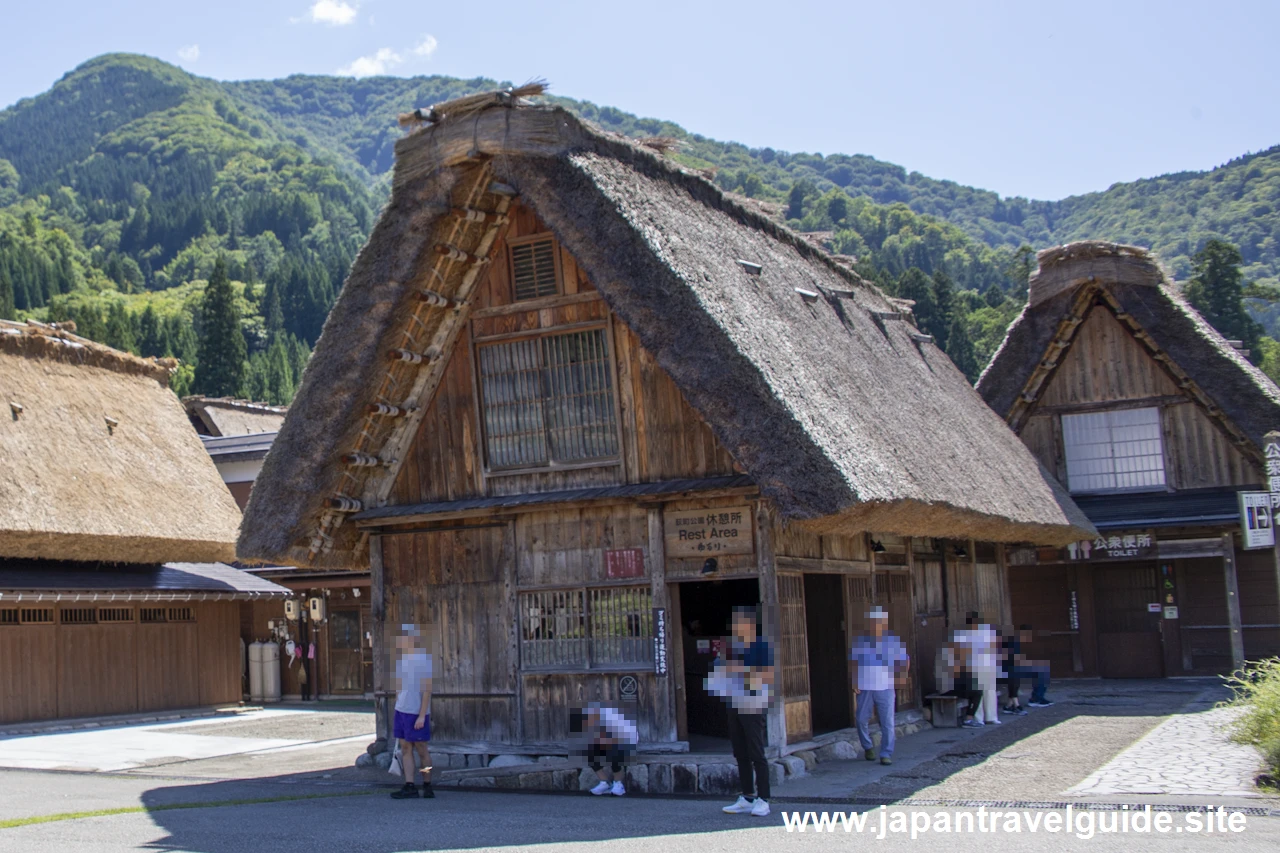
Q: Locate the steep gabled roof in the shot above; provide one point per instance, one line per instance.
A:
(842, 413)
(225, 416)
(99, 460)
(1130, 281)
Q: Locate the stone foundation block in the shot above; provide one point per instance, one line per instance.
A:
(794, 766)
(684, 778)
(717, 778)
(636, 778)
(659, 778)
(841, 750)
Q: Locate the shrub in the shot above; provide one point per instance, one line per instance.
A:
(1257, 691)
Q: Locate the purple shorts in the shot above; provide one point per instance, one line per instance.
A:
(404, 730)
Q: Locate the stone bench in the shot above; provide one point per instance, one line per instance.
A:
(946, 710)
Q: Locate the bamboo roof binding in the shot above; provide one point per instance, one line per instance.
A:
(101, 463)
(1129, 281)
(846, 421)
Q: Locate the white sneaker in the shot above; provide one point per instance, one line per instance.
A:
(742, 806)
(601, 787)
(617, 790)
(995, 722)
(760, 808)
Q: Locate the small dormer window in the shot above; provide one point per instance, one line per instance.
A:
(534, 270)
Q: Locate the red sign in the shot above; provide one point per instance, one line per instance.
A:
(624, 563)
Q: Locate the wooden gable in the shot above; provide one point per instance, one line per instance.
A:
(1105, 366)
(661, 437)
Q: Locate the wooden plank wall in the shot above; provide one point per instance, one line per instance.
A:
(1105, 364)
(793, 657)
(460, 585)
(568, 547)
(549, 696)
(663, 438)
(59, 671)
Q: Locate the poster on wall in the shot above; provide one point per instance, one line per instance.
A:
(1257, 526)
(710, 532)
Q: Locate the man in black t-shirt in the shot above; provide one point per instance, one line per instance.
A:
(749, 656)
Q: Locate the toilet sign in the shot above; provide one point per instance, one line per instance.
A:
(1257, 522)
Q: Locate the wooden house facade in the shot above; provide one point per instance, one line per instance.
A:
(574, 404)
(1155, 423)
(113, 521)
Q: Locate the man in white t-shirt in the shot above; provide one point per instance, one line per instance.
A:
(610, 737)
(412, 721)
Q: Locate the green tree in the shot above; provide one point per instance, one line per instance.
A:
(1020, 270)
(151, 337)
(960, 349)
(1217, 292)
(916, 286)
(994, 297)
(119, 331)
(800, 190)
(944, 301)
(220, 369)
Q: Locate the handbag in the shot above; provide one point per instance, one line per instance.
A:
(395, 769)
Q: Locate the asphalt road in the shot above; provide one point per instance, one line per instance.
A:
(363, 819)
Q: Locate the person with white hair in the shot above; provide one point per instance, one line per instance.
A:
(880, 663)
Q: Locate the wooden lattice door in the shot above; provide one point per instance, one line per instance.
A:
(793, 658)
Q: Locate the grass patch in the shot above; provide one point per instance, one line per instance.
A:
(249, 801)
(1257, 690)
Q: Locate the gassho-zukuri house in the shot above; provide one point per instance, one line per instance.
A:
(574, 403)
(1156, 424)
(114, 525)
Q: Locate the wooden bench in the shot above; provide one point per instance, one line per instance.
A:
(946, 710)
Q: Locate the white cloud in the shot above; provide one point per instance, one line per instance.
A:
(190, 53)
(335, 13)
(426, 46)
(371, 66)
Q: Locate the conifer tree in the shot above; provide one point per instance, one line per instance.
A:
(151, 338)
(915, 285)
(1217, 292)
(220, 368)
(960, 349)
(119, 330)
(944, 302)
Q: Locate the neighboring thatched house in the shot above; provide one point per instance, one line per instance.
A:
(573, 403)
(227, 416)
(112, 520)
(1156, 423)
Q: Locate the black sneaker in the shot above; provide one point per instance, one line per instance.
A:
(1016, 710)
(408, 791)
(1040, 703)
(427, 792)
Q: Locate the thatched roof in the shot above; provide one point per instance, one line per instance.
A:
(842, 413)
(222, 416)
(100, 462)
(1130, 280)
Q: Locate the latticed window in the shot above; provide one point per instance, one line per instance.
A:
(548, 400)
(79, 616)
(533, 269)
(1114, 451)
(586, 628)
(115, 614)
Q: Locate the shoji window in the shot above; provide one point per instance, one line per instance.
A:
(548, 401)
(1114, 451)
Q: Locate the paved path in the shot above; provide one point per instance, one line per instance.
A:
(130, 747)
(1186, 754)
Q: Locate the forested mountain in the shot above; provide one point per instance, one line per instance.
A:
(122, 186)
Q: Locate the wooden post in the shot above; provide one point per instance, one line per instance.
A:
(772, 621)
(664, 695)
(381, 660)
(1236, 634)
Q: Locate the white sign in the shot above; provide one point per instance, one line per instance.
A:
(1256, 522)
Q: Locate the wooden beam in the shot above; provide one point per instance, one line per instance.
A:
(664, 701)
(777, 722)
(526, 306)
(381, 661)
(390, 523)
(808, 564)
(1235, 631)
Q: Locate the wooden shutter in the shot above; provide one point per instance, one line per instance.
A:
(793, 658)
(533, 269)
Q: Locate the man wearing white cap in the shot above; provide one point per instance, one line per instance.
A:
(879, 662)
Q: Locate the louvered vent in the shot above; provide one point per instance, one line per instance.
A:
(533, 269)
(79, 616)
(9, 616)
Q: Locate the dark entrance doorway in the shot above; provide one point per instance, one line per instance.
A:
(705, 610)
(828, 664)
(1129, 644)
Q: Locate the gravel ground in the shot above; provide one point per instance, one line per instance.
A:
(304, 726)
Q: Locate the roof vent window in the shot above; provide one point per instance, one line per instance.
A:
(533, 269)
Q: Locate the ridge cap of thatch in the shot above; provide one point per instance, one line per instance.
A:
(1067, 267)
(644, 150)
(57, 341)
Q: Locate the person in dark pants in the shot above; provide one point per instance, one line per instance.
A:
(749, 657)
(1019, 667)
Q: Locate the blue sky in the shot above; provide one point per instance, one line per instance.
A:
(1041, 99)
